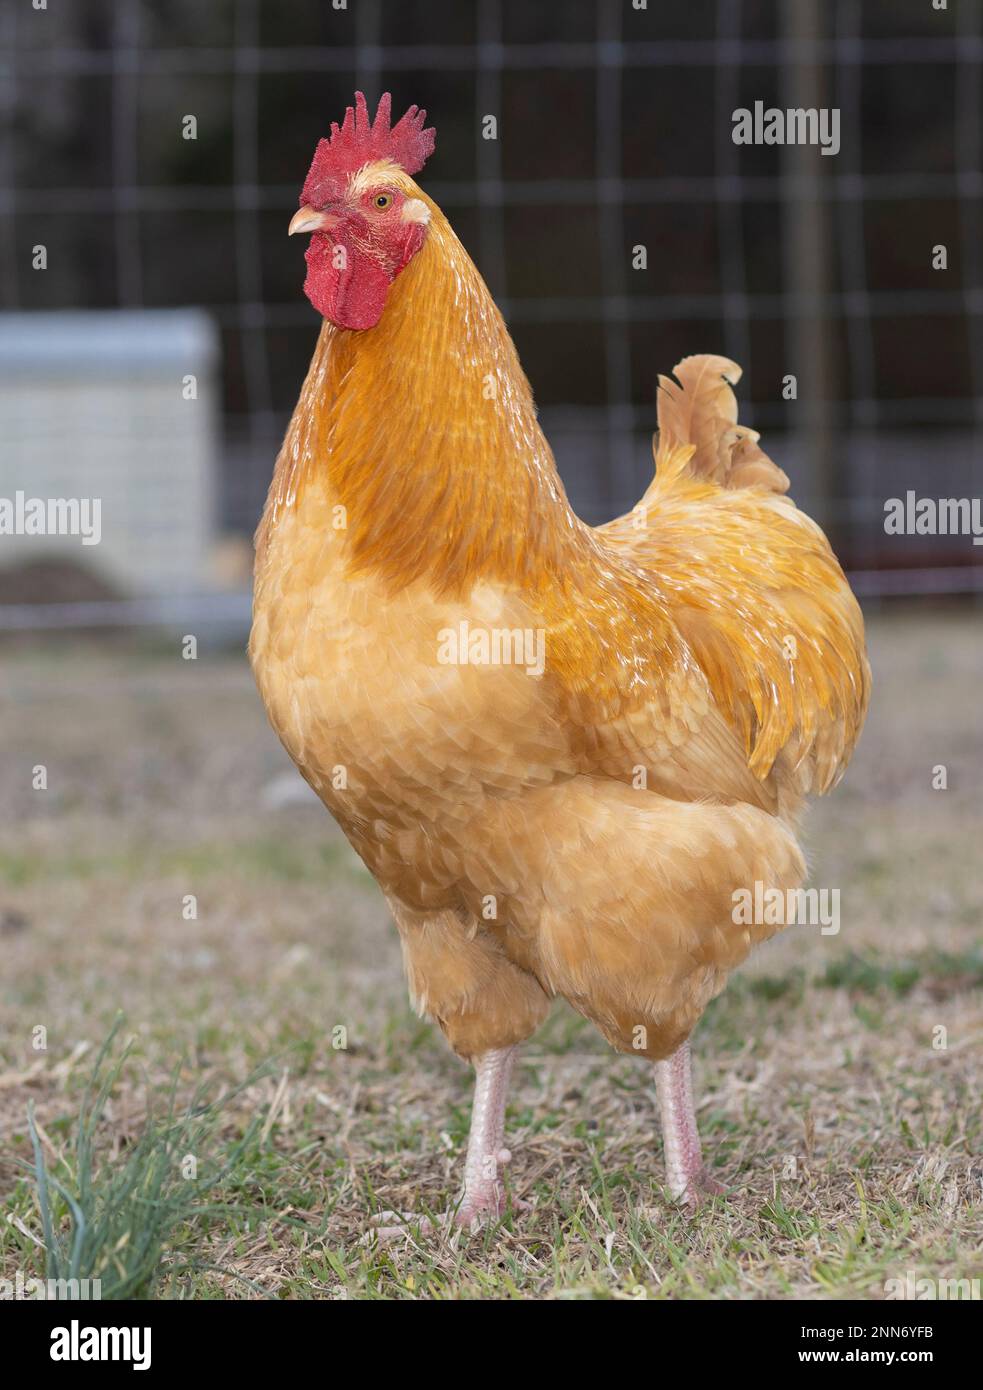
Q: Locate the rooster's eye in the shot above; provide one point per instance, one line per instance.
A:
(383, 201)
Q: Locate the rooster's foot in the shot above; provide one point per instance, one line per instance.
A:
(485, 1200)
(698, 1190)
(389, 1226)
(483, 1204)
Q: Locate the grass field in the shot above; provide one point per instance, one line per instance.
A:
(849, 1136)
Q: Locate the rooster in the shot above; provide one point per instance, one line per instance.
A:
(563, 752)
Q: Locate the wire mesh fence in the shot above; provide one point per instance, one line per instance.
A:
(612, 130)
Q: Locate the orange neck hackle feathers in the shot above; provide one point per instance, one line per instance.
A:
(424, 429)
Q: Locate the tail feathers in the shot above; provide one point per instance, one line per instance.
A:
(699, 409)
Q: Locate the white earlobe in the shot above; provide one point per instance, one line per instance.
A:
(415, 210)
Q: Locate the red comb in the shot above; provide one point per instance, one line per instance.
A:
(359, 141)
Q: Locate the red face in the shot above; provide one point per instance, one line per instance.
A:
(358, 246)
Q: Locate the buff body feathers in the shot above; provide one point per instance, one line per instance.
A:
(580, 833)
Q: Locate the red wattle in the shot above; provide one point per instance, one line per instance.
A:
(351, 298)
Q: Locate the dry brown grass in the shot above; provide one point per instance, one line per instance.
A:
(852, 1145)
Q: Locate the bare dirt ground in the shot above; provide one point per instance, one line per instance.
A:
(839, 1075)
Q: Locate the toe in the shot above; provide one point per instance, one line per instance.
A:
(699, 1190)
(388, 1226)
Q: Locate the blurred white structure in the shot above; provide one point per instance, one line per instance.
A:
(120, 406)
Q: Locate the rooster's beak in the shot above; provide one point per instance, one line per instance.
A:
(308, 219)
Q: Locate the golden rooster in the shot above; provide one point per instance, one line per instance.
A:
(563, 752)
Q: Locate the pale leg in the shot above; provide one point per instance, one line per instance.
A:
(685, 1171)
(483, 1190)
(484, 1193)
